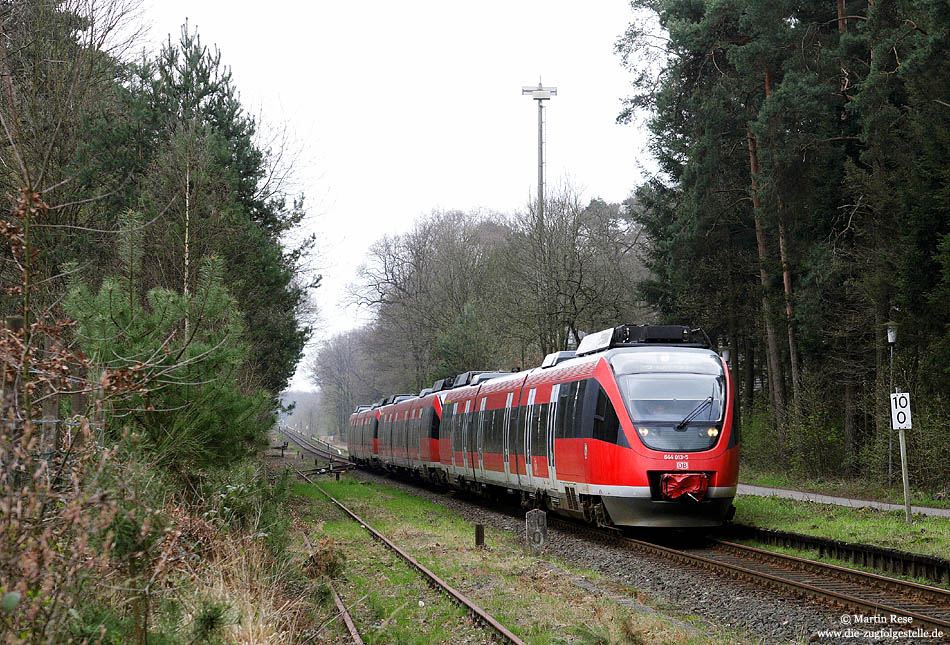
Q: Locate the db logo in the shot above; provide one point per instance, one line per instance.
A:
(682, 465)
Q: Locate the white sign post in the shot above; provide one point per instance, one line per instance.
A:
(900, 421)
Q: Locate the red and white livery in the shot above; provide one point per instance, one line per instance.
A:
(637, 428)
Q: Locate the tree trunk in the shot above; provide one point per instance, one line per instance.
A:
(733, 364)
(749, 372)
(790, 316)
(850, 445)
(187, 233)
(843, 29)
(881, 417)
(774, 361)
(787, 283)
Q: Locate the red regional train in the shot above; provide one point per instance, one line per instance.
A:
(636, 428)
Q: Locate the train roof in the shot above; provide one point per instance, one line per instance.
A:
(640, 335)
(487, 376)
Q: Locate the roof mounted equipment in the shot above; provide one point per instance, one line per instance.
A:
(465, 378)
(639, 335)
(442, 384)
(554, 358)
(481, 377)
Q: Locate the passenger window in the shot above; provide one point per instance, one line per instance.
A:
(539, 447)
(562, 395)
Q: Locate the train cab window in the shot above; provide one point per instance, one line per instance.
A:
(606, 423)
(676, 411)
(433, 423)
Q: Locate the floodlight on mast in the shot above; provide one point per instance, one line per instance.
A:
(540, 94)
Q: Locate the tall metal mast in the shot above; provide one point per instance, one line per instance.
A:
(540, 94)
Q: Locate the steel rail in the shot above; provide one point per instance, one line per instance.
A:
(933, 568)
(797, 587)
(314, 449)
(938, 595)
(434, 580)
(347, 620)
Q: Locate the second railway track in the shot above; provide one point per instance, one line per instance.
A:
(456, 596)
(869, 594)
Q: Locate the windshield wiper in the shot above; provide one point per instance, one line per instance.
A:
(689, 417)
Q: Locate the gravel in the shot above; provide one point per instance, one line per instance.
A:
(678, 588)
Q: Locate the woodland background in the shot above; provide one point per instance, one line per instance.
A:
(154, 287)
(802, 203)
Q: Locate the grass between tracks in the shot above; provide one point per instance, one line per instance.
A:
(926, 534)
(535, 597)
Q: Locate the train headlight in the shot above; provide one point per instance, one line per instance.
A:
(643, 431)
(713, 432)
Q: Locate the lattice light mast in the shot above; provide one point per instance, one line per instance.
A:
(540, 94)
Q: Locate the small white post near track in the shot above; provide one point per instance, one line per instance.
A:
(900, 421)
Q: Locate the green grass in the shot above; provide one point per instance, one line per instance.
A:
(389, 601)
(852, 487)
(926, 535)
(535, 597)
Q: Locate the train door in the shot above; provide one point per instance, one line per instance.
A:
(549, 433)
(461, 447)
(411, 444)
(478, 441)
(527, 479)
(511, 470)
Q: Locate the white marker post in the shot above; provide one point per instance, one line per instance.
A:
(900, 421)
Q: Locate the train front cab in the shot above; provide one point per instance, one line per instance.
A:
(675, 461)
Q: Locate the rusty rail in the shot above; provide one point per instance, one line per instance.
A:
(932, 568)
(477, 612)
(926, 606)
(314, 449)
(347, 620)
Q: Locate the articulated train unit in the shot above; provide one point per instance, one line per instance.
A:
(637, 428)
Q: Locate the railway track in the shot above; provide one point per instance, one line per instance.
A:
(869, 595)
(456, 596)
(319, 449)
(926, 567)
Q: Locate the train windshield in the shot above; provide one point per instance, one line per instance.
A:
(675, 399)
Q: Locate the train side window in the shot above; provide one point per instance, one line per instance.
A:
(539, 444)
(498, 418)
(492, 426)
(445, 428)
(501, 430)
(563, 393)
(521, 430)
(606, 423)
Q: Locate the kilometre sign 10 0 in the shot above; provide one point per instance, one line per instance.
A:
(900, 411)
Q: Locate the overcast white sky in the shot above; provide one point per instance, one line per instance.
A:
(399, 108)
